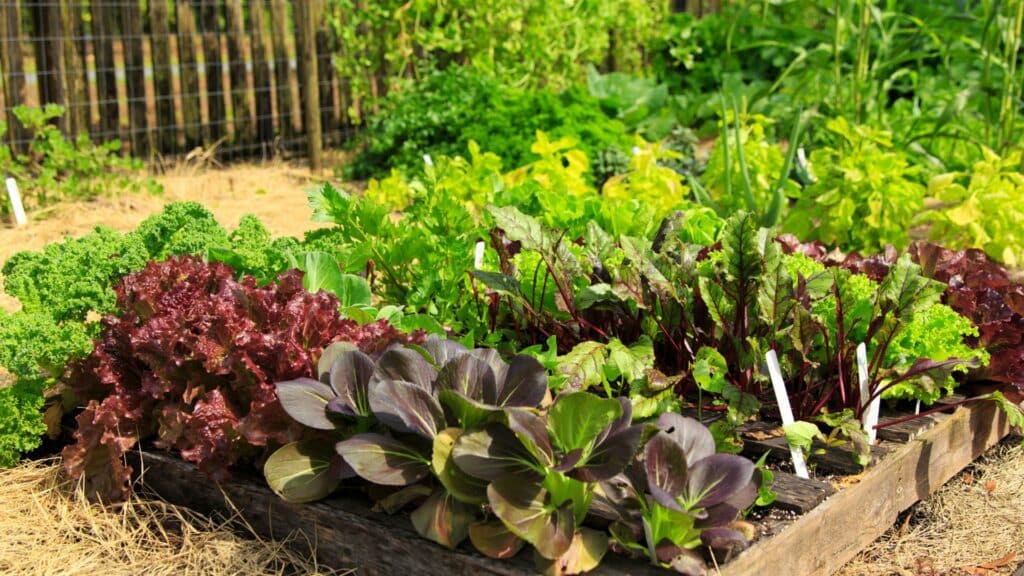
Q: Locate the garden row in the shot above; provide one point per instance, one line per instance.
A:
(353, 357)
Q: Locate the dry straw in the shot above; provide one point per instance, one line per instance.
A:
(47, 526)
(974, 525)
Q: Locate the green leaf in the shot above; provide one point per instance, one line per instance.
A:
(321, 272)
(443, 519)
(585, 552)
(583, 365)
(498, 282)
(709, 369)
(632, 362)
(1012, 410)
(459, 484)
(595, 295)
(302, 471)
(526, 509)
(576, 419)
(801, 434)
(494, 540)
(354, 291)
(329, 204)
(383, 460)
(492, 453)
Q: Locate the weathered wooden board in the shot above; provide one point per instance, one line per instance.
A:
(833, 528)
(344, 530)
(831, 461)
(906, 431)
(798, 494)
(824, 539)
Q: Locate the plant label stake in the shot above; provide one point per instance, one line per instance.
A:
(19, 210)
(785, 410)
(478, 257)
(869, 417)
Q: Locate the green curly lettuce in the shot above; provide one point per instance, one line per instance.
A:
(252, 250)
(69, 279)
(33, 344)
(62, 285)
(182, 228)
(937, 333)
(21, 420)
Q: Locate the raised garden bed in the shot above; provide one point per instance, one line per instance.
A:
(912, 461)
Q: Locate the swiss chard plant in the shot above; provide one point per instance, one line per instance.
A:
(715, 311)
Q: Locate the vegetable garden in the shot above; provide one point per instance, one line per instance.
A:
(695, 297)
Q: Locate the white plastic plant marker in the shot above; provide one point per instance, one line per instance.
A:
(19, 211)
(917, 408)
(869, 417)
(785, 410)
(428, 160)
(478, 257)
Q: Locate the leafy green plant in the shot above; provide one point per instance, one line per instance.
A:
(55, 168)
(981, 208)
(64, 288)
(715, 313)
(685, 496)
(641, 103)
(865, 191)
(541, 44)
(445, 111)
(485, 453)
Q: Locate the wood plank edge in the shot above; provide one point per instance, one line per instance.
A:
(831, 534)
(347, 534)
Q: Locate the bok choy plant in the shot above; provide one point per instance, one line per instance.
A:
(486, 454)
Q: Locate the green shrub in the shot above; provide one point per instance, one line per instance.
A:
(441, 114)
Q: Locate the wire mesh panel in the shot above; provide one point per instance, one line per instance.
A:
(167, 76)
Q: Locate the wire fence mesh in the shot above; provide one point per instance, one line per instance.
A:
(166, 77)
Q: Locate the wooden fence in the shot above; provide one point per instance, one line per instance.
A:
(168, 76)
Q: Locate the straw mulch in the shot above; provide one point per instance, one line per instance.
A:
(47, 526)
(974, 525)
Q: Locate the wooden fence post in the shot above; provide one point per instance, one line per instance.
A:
(75, 76)
(106, 81)
(191, 107)
(49, 52)
(163, 87)
(326, 74)
(262, 89)
(214, 70)
(305, 18)
(135, 77)
(240, 105)
(282, 69)
(13, 71)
